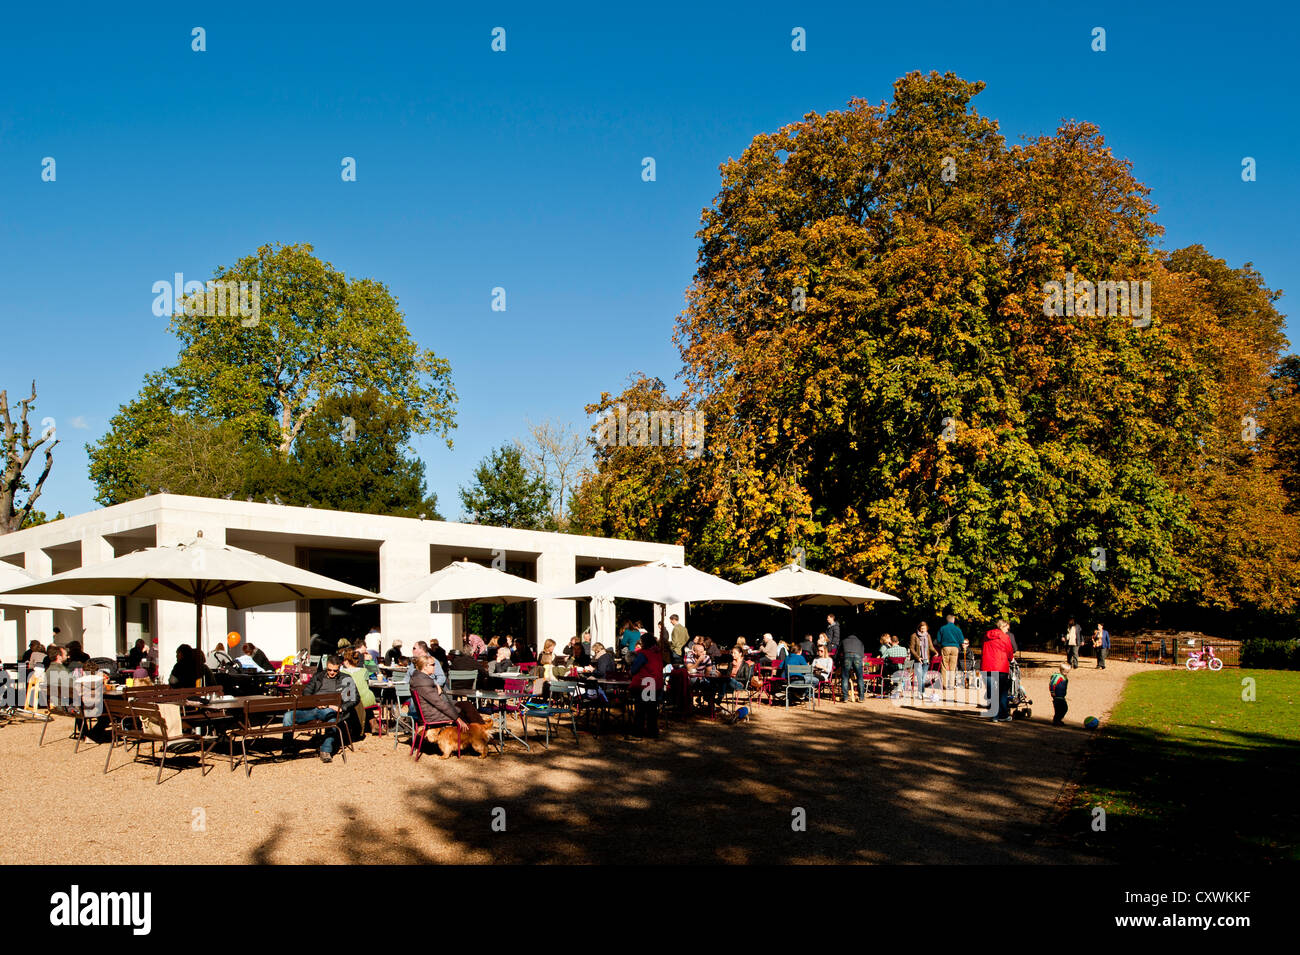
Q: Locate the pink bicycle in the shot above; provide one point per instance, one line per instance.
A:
(1204, 659)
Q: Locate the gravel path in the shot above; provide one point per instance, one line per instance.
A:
(876, 783)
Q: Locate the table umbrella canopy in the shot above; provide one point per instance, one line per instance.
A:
(466, 582)
(11, 576)
(795, 585)
(664, 582)
(209, 574)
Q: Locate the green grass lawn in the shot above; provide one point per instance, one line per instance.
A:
(1186, 767)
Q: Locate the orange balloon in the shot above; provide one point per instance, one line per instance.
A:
(232, 638)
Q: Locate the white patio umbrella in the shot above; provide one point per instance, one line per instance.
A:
(796, 585)
(602, 617)
(464, 582)
(209, 574)
(664, 582)
(11, 576)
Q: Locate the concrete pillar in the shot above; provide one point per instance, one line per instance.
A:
(446, 624)
(175, 618)
(556, 619)
(401, 564)
(98, 623)
(40, 623)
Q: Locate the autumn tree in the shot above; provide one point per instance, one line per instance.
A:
(887, 385)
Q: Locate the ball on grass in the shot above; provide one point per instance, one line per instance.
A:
(1092, 722)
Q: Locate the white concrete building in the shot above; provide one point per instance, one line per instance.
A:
(378, 553)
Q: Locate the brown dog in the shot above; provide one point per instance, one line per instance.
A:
(475, 738)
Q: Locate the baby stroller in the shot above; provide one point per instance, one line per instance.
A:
(1018, 703)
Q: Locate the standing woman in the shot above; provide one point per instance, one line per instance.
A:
(921, 649)
(1071, 641)
(647, 673)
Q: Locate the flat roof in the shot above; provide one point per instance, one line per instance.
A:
(319, 526)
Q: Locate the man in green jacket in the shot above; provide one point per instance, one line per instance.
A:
(679, 637)
(949, 641)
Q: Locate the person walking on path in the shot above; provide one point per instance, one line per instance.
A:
(950, 639)
(1057, 685)
(995, 660)
(1101, 645)
(1071, 641)
(921, 649)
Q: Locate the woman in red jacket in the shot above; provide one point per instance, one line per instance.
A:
(647, 673)
(995, 661)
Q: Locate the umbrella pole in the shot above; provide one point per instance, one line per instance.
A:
(198, 623)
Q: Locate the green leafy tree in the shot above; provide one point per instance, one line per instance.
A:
(352, 456)
(505, 494)
(317, 334)
(195, 456)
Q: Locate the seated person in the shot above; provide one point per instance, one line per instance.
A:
(205, 677)
(808, 648)
(604, 664)
(795, 658)
(822, 663)
(891, 649)
(186, 671)
(57, 678)
(547, 656)
(354, 666)
(438, 653)
(77, 655)
(577, 653)
(329, 679)
(742, 671)
(436, 705)
(137, 655)
(503, 663)
(258, 657)
(714, 651)
(394, 653)
(489, 652)
(439, 674)
(248, 659)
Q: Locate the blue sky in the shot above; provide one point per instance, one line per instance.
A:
(523, 169)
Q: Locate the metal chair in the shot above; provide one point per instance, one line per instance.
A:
(800, 679)
(550, 709)
(402, 718)
(462, 681)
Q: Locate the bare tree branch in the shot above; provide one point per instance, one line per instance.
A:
(18, 451)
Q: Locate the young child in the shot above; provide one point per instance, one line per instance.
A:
(1057, 685)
